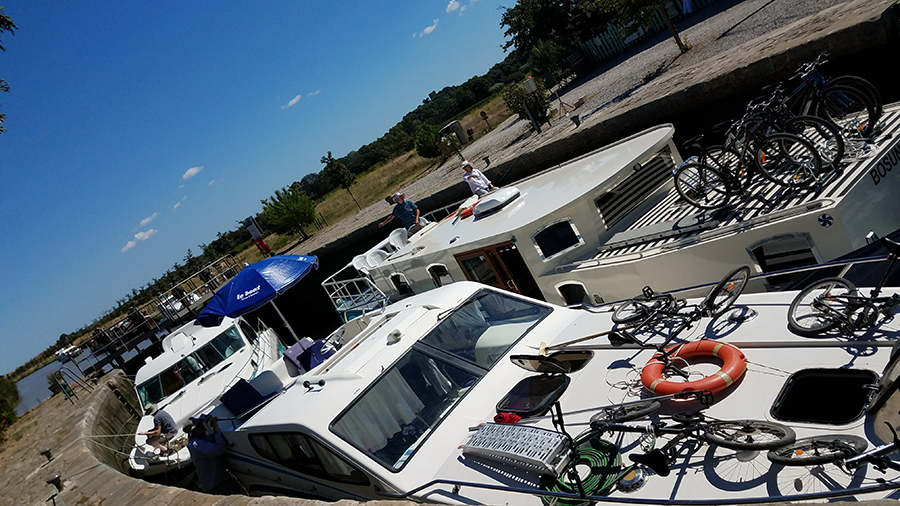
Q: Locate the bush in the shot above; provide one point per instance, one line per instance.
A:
(9, 399)
(538, 102)
(427, 138)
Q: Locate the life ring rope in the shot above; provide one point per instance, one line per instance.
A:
(734, 366)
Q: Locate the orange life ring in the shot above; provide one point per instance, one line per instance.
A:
(465, 213)
(734, 366)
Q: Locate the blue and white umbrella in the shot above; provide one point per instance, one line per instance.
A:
(256, 285)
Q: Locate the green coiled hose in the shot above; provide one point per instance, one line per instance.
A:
(601, 456)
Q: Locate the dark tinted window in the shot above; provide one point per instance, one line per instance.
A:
(305, 455)
(556, 238)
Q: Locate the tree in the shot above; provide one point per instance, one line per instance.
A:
(636, 14)
(289, 210)
(6, 25)
(339, 174)
(9, 399)
(532, 21)
(426, 141)
(538, 102)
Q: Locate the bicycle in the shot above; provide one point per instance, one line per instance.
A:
(835, 303)
(710, 180)
(849, 101)
(651, 304)
(846, 450)
(731, 434)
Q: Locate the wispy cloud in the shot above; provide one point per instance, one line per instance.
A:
(452, 6)
(313, 93)
(179, 203)
(470, 4)
(146, 221)
(429, 29)
(292, 103)
(139, 238)
(193, 171)
(213, 182)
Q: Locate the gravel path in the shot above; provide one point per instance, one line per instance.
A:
(712, 31)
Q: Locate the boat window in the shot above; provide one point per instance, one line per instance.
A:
(401, 284)
(209, 356)
(485, 328)
(440, 275)
(556, 238)
(403, 406)
(826, 396)
(228, 342)
(479, 270)
(303, 454)
(783, 252)
(574, 293)
(150, 391)
(249, 331)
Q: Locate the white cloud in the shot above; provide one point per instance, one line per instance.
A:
(213, 182)
(138, 238)
(146, 221)
(452, 6)
(193, 171)
(470, 4)
(292, 102)
(179, 203)
(429, 29)
(313, 93)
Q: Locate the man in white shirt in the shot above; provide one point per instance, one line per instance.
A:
(478, 183)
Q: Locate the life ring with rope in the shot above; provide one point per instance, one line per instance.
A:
(734, 366)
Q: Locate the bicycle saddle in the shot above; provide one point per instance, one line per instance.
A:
(688, 144)
(655, 459)
(893, 247)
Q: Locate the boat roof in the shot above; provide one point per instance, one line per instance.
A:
(756, 324)
(769, 201)
(542, 194)
(178, 344)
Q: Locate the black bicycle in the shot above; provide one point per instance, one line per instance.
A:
(847, 450)
(835, 303)
(651, 305)
(731, 434)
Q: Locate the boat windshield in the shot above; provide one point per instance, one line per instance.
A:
(395, 415)
(190, 367)
(482, 330)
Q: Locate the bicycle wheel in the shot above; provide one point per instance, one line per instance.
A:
(627, 412)
(824, 135)
(728, 162)
(702, 186)
(821, 307)
(788, 160)
(726, 291)
(865, 87)
(818, 450)
(849, 109)
(640, 307)
(747, 434)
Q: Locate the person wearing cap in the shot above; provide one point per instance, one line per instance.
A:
(407, 211)
(164, 429)
(207, 453)
(478, 182)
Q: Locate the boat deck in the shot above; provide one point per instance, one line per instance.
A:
(673, 221)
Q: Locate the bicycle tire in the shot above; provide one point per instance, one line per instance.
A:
(818, 450)
(640, 307)
(824, 135)
(864, 86)
(747, 434)
(702, 185)
(729, 288)
(788, 160)
(628, 412)
(815, 322)
(848, 108)
(729, 162)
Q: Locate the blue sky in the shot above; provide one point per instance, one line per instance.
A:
(138, 130)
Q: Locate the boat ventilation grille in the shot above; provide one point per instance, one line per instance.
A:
(541, 450)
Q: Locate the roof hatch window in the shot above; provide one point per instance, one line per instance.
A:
(556, 238)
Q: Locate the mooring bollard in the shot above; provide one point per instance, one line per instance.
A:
(577, 120)
(56, 481)
(47, 453)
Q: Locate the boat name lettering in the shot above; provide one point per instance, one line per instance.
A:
(249, 293)
(886, 164)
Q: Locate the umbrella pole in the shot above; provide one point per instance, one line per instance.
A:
(286, 324)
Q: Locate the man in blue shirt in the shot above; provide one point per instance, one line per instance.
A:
(207, 452)
(406, 211)
(164, 429)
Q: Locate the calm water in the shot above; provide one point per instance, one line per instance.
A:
(34, 388)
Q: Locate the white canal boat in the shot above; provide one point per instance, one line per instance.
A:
(602, 226)
(405, 407)
(197, 365)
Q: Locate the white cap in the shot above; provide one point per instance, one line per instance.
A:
(397, 196)
(465, 162)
